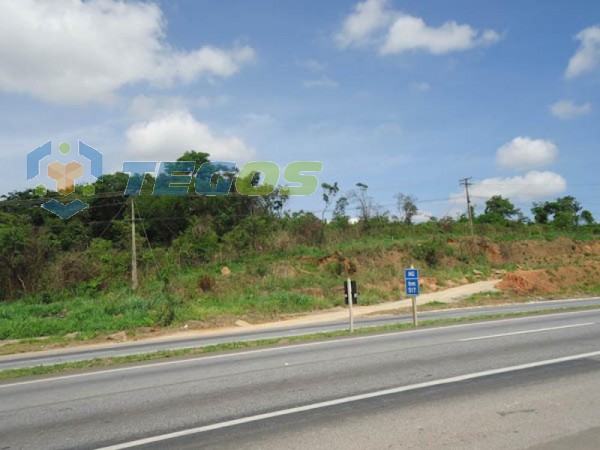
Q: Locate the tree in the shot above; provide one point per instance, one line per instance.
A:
(329, 193)
(198, 157)
(564, 212)
(340, 208)
(498, 210)
(364, 203)
(407, 207)
(540, 212)
(587, 217)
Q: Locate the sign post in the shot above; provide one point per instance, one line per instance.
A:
(351, 299)
(411, 280)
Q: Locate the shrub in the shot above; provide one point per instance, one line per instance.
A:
(432, 252)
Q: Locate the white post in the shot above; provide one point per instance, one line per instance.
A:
(350, 301)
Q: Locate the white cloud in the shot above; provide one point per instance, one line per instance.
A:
(375, 23)
(523, 153)
(566, 109)
(71, 51)
(323, 82)
(587, 56)
(410, 33)
(168, 137)
(534, 185)
(368, 17)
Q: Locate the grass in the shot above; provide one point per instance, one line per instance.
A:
(171, 354)
(267, 286)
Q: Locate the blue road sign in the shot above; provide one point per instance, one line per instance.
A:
(411, 280)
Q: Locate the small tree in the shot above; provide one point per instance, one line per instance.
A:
(407, 207)
(340, 208)
(587, 217)
(498, 209)
(364, 203)
(329, 193)
(540, 213)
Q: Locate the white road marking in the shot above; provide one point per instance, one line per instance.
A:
(288, 347)
(539, 330)
(340, 401)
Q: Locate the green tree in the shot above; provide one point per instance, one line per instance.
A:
(564, 212)
(587, 217)
(541, 213)
(498, 210)
(198, 157)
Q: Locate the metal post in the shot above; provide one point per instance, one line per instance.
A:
(350, 302)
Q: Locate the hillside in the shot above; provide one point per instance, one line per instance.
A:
(273, 283)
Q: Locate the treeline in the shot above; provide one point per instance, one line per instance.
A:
(45, 257)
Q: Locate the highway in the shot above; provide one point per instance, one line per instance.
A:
(277, 331)
(529, 382)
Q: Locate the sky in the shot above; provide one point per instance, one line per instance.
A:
(404, 96)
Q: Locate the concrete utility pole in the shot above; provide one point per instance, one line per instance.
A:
(134, 278)
(465, 182)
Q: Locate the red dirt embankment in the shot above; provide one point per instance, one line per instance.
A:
(550, 281)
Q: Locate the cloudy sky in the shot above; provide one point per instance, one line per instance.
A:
(402, 95)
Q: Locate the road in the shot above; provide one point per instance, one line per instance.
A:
(530, 382)
(277, 331)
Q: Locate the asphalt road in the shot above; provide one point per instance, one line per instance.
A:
(513, 383)
(115, 349)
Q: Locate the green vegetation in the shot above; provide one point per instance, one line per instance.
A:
(208, 261)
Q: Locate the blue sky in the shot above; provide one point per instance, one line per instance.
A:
(404, 96)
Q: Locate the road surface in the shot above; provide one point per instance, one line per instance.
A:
(531, 382)
(115, 349)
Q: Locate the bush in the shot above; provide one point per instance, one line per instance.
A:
(432, 252)
(198, 243)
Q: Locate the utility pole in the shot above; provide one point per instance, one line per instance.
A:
(465, 182)
(134, 278)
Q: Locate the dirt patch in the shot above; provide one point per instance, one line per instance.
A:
(549, 281)
(527, 282)
(429, 283)
(339, 264)
(284, 269)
